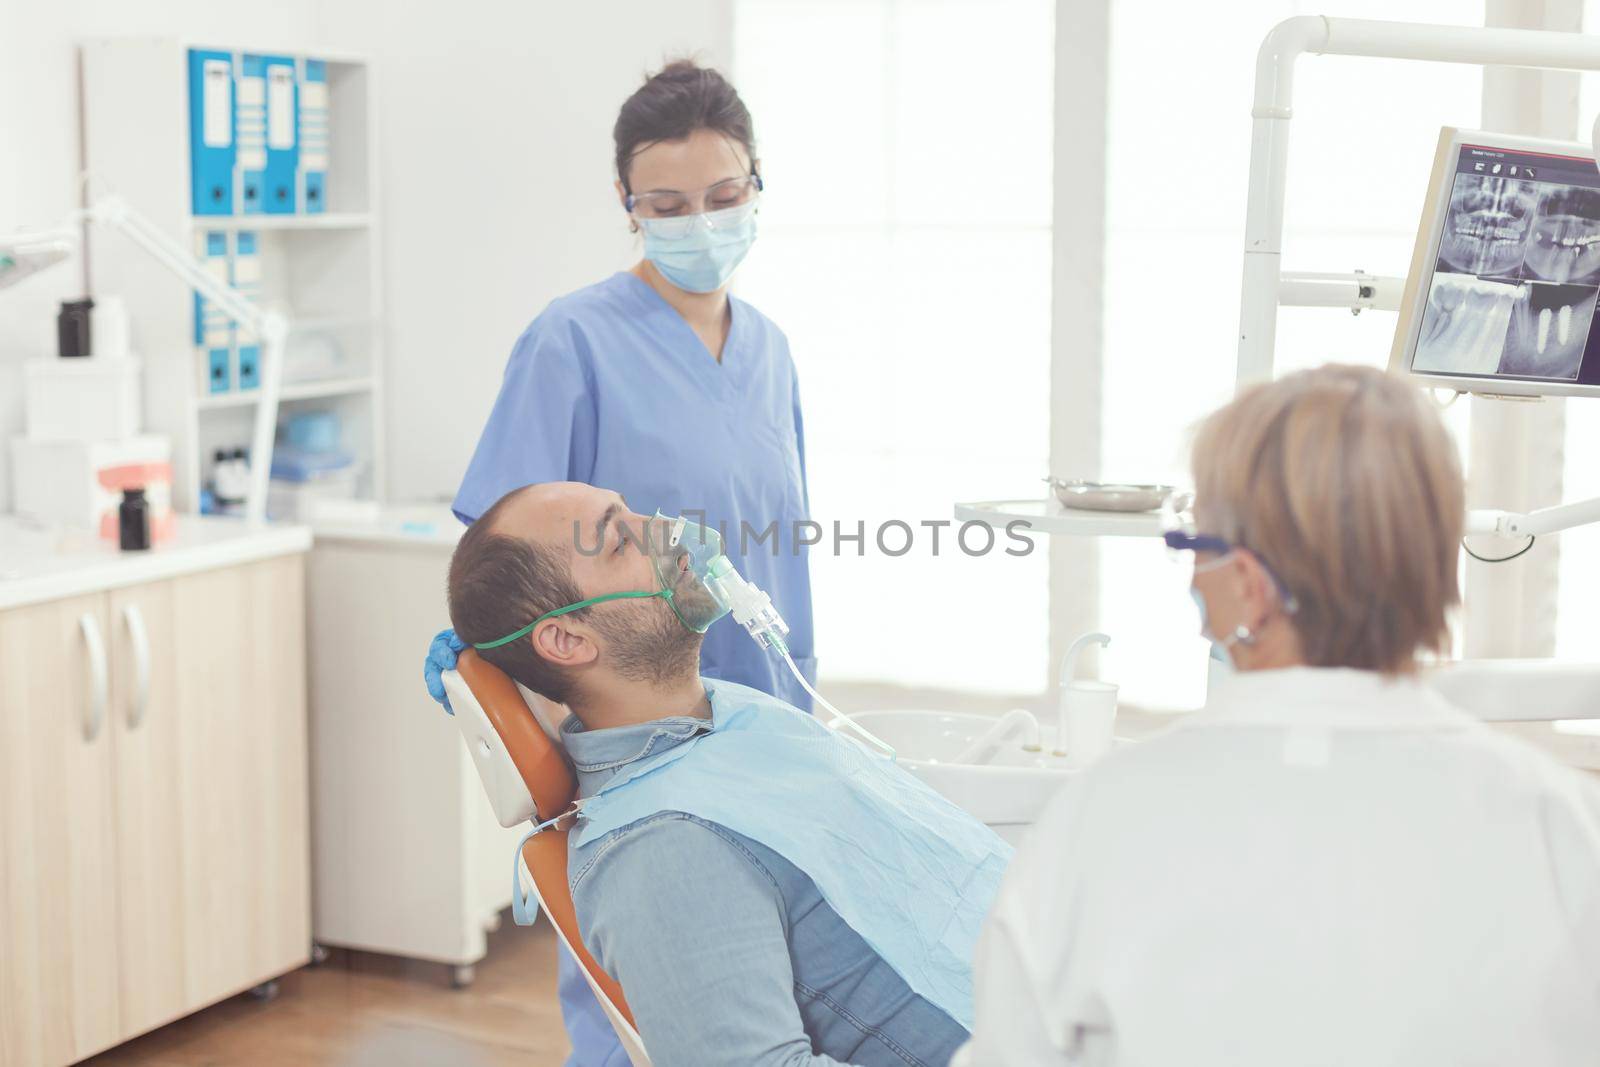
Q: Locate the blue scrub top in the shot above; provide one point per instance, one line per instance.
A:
(610, 386)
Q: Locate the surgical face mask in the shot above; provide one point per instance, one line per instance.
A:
(682, 555)
(701, 256)
(1219, 651)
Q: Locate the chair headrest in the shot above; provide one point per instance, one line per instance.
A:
(524, 772)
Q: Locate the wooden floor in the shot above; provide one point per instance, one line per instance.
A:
(364, 1010)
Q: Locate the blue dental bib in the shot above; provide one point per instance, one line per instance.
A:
(909, 871)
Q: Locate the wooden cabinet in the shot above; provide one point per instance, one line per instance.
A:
(244, 878)
(150, 923)
(153, 804)
(58, 952)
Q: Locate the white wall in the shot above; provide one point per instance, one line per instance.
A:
(495, 157)
(496, 166)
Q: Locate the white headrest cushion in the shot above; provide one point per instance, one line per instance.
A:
(508, 794)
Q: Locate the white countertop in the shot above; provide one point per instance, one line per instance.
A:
(42, 563)
(412, 525)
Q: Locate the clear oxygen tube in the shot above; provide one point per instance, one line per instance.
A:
(752, 609)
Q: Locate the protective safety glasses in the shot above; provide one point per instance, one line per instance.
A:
(1182, 538)
(1179, 532)
(669, 213)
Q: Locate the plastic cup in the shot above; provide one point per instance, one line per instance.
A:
(1090, 715)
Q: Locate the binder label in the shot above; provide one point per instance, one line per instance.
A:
(280, 107)
(218, 106)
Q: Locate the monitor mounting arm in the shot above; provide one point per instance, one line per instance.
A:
(1266, 285)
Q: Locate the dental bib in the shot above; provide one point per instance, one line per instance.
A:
(910, 872)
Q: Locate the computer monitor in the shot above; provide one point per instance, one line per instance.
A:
(1504, 280)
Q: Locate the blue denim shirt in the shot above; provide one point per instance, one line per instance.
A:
(727, 952)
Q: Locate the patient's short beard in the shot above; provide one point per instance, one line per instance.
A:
(646, 643)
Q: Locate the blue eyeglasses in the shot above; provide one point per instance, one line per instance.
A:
(1177, 516)
(1179, 541)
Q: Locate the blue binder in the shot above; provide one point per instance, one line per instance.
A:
(211, 132)
(213, 330)
(246, 273)
(268, 156)
(314, 136)
(283, 156)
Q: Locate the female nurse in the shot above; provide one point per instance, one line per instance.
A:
(657, 383)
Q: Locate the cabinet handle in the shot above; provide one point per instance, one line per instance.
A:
(138, 637)
(99, 679)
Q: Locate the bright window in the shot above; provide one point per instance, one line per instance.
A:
(905, 251)
(1178, 148)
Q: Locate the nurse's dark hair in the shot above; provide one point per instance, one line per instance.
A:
(681, 98)
(499, 583)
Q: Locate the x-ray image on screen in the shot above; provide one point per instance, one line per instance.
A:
(1464, 325)
(1505, 275)
(1487, 227)
(1549, 326)
(1566, 236)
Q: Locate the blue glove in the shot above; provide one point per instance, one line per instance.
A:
(441, 657)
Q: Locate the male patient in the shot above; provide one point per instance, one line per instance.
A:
(765, 891)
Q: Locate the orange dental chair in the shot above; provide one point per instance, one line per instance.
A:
(528, 779)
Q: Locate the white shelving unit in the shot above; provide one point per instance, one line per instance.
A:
(1051, 517)
(320, 270)
(349, 220)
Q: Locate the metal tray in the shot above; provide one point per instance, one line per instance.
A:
(1109, 496)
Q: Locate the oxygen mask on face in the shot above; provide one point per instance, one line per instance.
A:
(685, 557)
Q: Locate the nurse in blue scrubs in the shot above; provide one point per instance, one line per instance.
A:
(657, 383)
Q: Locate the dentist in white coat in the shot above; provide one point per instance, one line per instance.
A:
(1328, 864)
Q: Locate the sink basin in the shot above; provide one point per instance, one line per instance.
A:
(1007, 794)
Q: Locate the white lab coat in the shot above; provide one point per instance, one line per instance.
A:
(1320, 867)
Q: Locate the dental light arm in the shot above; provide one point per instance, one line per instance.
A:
(1539, 523)
(1356, 290)
(271, 327)
(24, 254)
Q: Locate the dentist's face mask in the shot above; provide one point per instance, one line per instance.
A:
(682, 554)
(699, 253)
(697, 240)
(1220, 650)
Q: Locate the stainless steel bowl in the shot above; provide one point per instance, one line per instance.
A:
(1109, 496)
